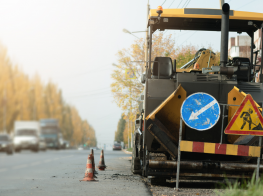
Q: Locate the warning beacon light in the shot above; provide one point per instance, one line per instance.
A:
(159, 11)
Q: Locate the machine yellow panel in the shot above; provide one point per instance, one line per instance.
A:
(231, 149)
(168, 113)
(186, 146)
(209, 148)
(237, 15)
(254, 151)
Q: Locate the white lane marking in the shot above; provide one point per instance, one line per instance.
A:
(3, 170)
(194, 115)
(20, 166)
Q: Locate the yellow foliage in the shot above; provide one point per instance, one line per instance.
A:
(24, 98)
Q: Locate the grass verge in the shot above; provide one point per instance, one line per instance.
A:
(129, 149)
(249, 187)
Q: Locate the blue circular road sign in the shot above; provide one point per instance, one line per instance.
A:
(200, 111)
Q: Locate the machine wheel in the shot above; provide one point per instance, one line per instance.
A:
(36, 149)
(9, 152)
(135, 163)
(158, 181)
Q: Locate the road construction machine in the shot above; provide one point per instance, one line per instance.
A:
(204, 58)
(208, 153)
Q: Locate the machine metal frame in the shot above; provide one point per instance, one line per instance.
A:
(156, 92)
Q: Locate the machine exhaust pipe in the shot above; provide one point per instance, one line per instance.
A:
(224, 34)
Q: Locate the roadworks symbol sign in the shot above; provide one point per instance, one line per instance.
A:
(247, 120)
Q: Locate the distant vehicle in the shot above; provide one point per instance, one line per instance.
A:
(116, 146)
(51, 132)
(26, 135)
(6, 144)
(42, 143)
(61, 141)
(94, 148)
(80, 148)
(66, 144)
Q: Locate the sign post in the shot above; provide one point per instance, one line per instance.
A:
(199, 111)
(179, 156)
(259, 143)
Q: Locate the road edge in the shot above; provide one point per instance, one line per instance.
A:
(126, 152)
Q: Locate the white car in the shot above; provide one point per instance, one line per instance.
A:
(26, 135)
(80, 148)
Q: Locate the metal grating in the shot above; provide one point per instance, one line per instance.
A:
(249, 87)
(206, 77)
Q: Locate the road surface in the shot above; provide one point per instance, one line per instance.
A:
(58, 173)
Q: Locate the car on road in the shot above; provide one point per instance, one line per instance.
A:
(94, 148)
(66, 144)
(6, 143)
(80, 148)
(116, 146)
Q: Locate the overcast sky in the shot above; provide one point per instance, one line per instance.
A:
(74, 43)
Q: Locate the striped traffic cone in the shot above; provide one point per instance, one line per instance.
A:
(102, 165)
(93, 164)
(89, 171)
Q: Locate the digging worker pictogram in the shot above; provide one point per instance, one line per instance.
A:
(247, 118)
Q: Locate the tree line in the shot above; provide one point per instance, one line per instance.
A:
(28, 98)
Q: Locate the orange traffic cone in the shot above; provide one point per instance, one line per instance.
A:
(89, 171)
(93, 164)
(102, 165)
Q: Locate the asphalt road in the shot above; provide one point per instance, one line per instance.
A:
(58, 173)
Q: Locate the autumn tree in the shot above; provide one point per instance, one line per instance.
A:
(120, 129)
(127, 87)
(184, 54)
(25, 98)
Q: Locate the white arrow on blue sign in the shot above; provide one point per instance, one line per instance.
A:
(200, 111)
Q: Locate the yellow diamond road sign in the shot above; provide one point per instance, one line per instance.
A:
(247, 120)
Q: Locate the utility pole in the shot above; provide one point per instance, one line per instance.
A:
(4, 110)
(21, 110)
(131, 136)
(128, 130)
(147, 36)
(221, 3)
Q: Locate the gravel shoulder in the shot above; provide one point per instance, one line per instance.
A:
(187, 189)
